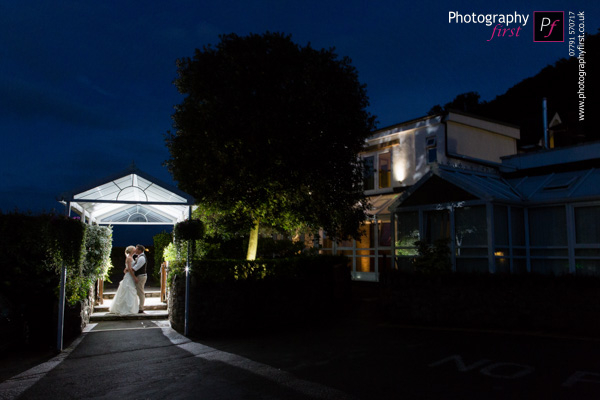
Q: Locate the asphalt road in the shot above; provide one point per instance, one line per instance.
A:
(378, 361)
(353, 358)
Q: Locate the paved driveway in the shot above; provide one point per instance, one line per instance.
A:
(351, 358)
(379, 361)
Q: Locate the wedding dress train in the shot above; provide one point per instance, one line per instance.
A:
(126, 300)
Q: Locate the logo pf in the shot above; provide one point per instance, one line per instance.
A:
(548, 26)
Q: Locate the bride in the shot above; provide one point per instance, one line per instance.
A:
(126, 299)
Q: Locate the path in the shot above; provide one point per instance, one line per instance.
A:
(148, 359)
(358, 356)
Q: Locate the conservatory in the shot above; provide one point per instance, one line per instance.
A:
(540, 213)
(371, 254)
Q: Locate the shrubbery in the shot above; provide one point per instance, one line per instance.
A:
(33, 249)
(237, 296)
(433, 259)
(268, 269)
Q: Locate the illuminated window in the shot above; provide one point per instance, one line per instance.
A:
(377, 171)
(385, 170)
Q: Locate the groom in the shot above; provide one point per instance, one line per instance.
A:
(139, 268)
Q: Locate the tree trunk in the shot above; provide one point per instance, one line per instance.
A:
(253, 242)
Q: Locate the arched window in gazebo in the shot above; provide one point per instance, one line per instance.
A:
(130, 197)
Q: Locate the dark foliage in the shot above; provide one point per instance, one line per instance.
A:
(27, 284)
(521, 105)
(433, 259)
(286, 293)
(269, 269)
(34, 248)
(161, 241)
(117, 257)
(269, 131)
(191, 229)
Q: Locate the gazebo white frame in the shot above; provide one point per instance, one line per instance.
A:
(129, 197)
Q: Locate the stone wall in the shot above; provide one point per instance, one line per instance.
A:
(78, 316)
(176, 303)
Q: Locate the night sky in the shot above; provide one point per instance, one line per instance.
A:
(86, 87)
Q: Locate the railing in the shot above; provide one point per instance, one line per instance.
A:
(163, 281)
(100, 297)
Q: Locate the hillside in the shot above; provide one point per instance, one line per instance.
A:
(522, 104)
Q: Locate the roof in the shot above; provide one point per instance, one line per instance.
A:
(486, 186)
(560, 186)
(445, 184)
(130, 197)
(380, 204)
(550, 159)
(471, 183)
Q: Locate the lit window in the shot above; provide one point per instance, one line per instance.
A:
(385, 170)
(377, 171)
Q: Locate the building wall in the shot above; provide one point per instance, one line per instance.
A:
(413, 147)
(477, 143)
(452, 140)
(407, 145)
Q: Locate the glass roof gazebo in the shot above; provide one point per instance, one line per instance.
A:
(130, 197)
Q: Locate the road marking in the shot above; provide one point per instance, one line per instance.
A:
(582, 376)
(502, 370)
(509, 370)
(460, 365)
(520, 370)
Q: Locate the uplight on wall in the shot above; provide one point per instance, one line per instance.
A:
(400, 172)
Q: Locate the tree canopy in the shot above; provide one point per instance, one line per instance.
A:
(269, 132)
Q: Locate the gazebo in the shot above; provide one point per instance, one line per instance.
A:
(129, 197)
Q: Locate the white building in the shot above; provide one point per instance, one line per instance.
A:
(398, 157)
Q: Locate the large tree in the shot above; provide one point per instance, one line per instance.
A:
(269, 133)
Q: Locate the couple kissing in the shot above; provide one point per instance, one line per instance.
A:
(130, 295)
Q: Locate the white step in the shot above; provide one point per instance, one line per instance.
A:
(148, 315)
(110, 293)
(153, 308)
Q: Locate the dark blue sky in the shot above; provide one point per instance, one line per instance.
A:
(86, 87)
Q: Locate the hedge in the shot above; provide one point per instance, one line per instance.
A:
(33, 249)
(268, 269)
(235, 297)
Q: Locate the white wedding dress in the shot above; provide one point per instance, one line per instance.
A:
(126, 300)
